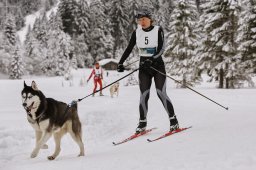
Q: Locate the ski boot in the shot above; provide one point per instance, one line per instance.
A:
(174, 125)
(142, 126)
(101, 94)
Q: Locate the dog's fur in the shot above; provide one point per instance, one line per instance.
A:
(114, 89)
(50, 117)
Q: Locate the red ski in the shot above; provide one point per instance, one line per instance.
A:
(169, 133)
(134, 136)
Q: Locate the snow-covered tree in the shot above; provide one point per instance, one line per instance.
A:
(67, 9)
(5, 55)
(218, 49)
(16, 65)
(164, 13)
(59, 50)
(119, 20)
(35, 52)
(182, 42)
(133, 6)
(10, 30)
(97, 37)
(82, 17)
(247, 41)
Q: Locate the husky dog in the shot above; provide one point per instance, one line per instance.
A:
(50, 117)
(114, 89)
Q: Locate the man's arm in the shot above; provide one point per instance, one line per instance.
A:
(129, 48)
(161, 43)
(92, 73)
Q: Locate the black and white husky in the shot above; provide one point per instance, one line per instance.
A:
(50, 117)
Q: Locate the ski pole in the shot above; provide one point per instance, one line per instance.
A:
(189, 88)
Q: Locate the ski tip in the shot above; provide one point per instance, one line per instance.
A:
(114, 143)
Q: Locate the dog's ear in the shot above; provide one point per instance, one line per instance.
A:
(25, 85)
(33, 85)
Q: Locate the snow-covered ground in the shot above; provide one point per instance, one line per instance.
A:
(219, 139)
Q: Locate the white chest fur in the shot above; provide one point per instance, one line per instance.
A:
(42, 126)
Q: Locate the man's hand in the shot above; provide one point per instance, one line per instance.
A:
(120, 68)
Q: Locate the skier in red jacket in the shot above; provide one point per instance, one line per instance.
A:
(98, 76)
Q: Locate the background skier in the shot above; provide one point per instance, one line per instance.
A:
(97, 72)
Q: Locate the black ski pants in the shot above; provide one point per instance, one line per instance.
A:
(145, 80)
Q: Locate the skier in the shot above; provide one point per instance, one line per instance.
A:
(98, 76)
(150, 42)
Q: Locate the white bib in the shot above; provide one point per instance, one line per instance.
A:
(147, 42)
(97, 72)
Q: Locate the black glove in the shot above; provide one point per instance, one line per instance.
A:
(120, 68)
(147, 63)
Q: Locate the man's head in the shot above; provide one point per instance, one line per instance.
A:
(144, 18)
(143, 12)
(97, 65)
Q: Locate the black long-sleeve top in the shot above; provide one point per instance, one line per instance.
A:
(132, 42)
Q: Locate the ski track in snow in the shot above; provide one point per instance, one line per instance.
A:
(219, 139)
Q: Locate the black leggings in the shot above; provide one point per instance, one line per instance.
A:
(145, 81)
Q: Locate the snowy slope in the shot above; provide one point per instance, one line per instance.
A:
(219, 139)
(30, 20)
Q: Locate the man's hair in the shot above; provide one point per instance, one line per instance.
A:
(143, 12)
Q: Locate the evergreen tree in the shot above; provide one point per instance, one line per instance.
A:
(98, 32)
(59, 48)
(16, 65)
(35, 53)
(247, 41)
(182, 42)
(82, 17)
(67, 9)
(132, 8)
(10, 29)
(219, 47)
(5, 54)
(120, 20)
(164, 13)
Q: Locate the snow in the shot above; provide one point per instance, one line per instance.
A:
(108, 60)
(30, 20)
(219, 139)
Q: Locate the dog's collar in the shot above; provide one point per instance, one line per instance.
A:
(37, 119)
(33, 121)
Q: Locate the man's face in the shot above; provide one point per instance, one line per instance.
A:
(144, 22)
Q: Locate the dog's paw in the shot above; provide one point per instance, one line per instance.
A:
(33, 154)
(51, 158)
(45, 146)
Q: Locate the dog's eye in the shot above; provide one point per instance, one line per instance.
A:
(30, 96)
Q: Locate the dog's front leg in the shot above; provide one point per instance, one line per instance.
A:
(40, 143)
(38, 137)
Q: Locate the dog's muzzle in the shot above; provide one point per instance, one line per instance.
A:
(29, 108)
